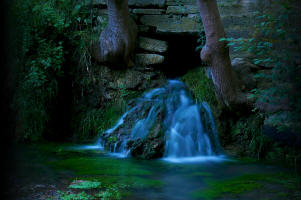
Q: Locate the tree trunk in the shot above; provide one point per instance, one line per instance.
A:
(117, 41)
(216, 53)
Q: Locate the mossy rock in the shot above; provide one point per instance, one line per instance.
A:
(203, 89)
(84, 184)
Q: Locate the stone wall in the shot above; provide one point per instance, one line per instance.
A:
(159, 18)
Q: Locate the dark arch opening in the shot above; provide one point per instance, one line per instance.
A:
(181, 55)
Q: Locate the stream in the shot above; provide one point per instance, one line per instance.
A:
(191, 164)
(45, 170)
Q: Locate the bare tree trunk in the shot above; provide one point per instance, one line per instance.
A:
(216, 53)
(117, 41)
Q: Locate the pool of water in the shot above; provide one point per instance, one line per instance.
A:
(44, 170)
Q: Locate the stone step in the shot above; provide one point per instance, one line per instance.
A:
(148, 59)
(152, 45)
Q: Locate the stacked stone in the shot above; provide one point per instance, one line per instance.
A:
(181, 17)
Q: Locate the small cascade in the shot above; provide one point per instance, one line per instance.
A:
(188, 127)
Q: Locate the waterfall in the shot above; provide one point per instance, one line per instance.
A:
(189, 128)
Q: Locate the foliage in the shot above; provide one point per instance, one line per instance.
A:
(50, 36)
(274, 45)
(96, 121)
(247, 131)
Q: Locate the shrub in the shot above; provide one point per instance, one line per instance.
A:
(50, 36)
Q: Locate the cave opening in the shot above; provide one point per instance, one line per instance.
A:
(181, 55)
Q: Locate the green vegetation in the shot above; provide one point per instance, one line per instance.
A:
(243, 184)
(203, 89)
(72, 196)
(94, 121)
(110, 193)
(96, 176)
(247, 131)
(201, 86)
(102, 171)
(274, 45)
(201, 174)
(46, 32)
(100, 166)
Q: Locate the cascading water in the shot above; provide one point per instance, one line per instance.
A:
(189, 128)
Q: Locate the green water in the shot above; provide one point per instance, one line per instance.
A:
(46, 172)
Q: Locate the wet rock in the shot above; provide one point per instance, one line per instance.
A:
(194, 16)
(240, 63)
(172, 25)
(186, 9)
(153, 45)
(148, 11)
(148, 149)
(244, 69)
(149, 59)
(131, 80)
(106, 84)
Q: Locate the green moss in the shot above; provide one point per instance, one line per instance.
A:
(99, 166)
(129, 181)
(84, 184)
(72, 196)
(201, 174)
(243, 184)
(203, 89)
(112, 139)
(201, 86)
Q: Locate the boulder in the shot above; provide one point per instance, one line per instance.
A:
(131, 79)
(240, 63)
(149, 59)
(172, 25)
(152, 45)
(244, 69)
